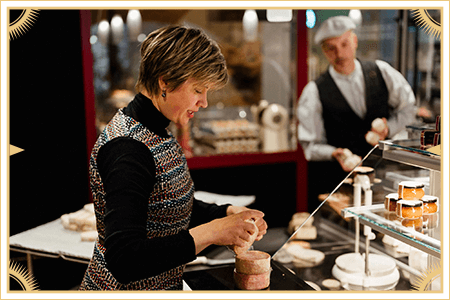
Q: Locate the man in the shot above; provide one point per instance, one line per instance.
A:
(336, 110)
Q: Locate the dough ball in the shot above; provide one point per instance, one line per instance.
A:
(378, 124)
(372, 137)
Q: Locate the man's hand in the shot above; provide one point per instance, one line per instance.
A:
(380, 127)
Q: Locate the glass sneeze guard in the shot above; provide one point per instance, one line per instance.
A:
(372, 216)
(406, 152)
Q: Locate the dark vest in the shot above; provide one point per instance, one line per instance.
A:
(169, 206)
(343, 127)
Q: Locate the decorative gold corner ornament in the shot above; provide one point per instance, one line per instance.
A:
(21, 24)
(423, 19)
(21, 275)
(424, 282)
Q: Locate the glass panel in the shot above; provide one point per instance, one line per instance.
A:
(378, 217)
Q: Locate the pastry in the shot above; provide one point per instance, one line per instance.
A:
(89, 236)
(390, 202)
(409, 209)
(304, 244)
(305, 257)
(331, 284)
(283, 256)
(89, 208)
(81, 220)
(298, 219)
(306, 233)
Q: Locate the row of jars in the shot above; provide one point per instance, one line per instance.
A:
(412, 207)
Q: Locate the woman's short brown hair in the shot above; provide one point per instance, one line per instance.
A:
(175, 54)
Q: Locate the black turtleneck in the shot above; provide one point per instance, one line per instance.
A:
(127, 169)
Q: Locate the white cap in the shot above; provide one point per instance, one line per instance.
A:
(333, 27)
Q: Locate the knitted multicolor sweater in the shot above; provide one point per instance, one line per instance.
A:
(169, 205)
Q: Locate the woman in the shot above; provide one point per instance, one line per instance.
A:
(149, 225)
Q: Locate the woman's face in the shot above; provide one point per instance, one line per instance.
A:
(180, 105)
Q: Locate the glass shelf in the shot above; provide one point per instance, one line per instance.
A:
(373, 216)
(409, 152)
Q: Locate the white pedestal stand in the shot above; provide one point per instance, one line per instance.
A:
(367, 271)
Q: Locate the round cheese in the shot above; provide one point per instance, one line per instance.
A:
(252, 281)
(253, 262)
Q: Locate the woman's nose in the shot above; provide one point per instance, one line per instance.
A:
(203, 102)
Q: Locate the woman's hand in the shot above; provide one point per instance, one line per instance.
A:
(260, 223)
(230, 230)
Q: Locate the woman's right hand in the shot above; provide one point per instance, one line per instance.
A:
(230, 230)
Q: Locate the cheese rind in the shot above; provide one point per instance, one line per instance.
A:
(252, 281)
(253, 262)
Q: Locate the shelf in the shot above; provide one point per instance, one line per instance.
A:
(373, 216)
(408, 152)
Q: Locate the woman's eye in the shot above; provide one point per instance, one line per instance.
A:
(198, 92)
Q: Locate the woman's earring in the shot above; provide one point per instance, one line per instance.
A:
(163, 94)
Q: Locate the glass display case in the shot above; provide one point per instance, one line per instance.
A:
(351, 241)
(426, 237)
(374, 233)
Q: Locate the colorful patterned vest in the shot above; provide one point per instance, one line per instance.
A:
(169, 205)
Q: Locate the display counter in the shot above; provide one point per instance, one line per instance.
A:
(220, 278)
(339, 230)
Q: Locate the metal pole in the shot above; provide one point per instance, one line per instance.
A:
(404, 45)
